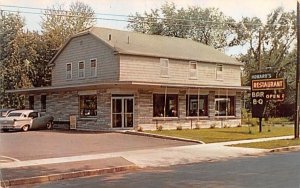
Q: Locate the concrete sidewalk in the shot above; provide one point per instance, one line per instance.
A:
(43, 170)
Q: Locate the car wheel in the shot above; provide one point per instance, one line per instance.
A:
(4, 130)
(49, 125)
(25, 128)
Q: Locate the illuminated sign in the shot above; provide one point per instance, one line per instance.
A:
(264, 88)
(268, 84)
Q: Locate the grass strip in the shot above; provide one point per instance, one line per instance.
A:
(226, 134)
(270, 144)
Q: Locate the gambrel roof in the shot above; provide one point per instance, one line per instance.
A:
(133, 43)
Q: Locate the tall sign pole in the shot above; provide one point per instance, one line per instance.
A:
(297, 106)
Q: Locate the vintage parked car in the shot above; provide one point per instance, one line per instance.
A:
(25, 120)
(5, 111)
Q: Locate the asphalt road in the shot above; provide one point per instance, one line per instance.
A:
(273, 170)
(48, 144)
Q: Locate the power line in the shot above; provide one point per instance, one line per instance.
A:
(196, 26)
(113, 19)
(140, 17)
(63, 15)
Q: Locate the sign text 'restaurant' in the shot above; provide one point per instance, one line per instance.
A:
(268, 84)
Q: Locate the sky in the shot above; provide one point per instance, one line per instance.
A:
(234, 8)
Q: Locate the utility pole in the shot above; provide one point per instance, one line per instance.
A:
(259, 68)
(297, 106)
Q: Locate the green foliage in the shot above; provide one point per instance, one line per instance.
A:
(207, 25)
(58, 24)
(24, 55)
(271, 49)
(280, 120)
(253, 122)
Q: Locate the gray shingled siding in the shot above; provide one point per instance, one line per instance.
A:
(84, 48)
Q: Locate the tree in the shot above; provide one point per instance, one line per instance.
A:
(24, 55)
(13, 74)
(209, 26)
(271, 48)
(59, 24)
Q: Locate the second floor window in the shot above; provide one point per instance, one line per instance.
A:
(93, 67)
(81, 69)
(69, 71)
(219, 72)
(164, 67)
(193, 70)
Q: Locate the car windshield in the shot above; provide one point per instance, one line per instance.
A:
(14, 114)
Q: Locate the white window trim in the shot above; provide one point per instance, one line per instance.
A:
(191, 76)
(70, 71)
(162, 68)
(219, 74)
(83, 69)
(95, 67)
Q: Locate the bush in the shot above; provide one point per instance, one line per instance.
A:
(179, 127)
(281, 120)
(212, 126)
(226, 126)
(160, 128)
(253, 122)
(139, 129)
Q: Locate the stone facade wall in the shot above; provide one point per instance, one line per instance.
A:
(238, 105)
(63, 104)
(211, 104)
(144, 107)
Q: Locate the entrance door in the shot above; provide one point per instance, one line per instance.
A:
(122, 112)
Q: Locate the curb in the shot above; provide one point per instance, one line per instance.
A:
(68, 175)
(289, 148)
(162, 136)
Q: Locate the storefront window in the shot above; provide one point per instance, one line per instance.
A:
(224, 106)
(165, 105)
(192, 102)
(43, 103)
(88, 105)
(31, 102)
